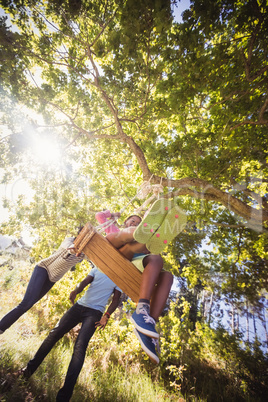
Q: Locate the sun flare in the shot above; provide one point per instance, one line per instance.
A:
(47, 151)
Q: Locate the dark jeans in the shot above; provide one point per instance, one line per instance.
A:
(38, 286)
(70, 319)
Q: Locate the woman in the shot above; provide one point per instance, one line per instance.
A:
(45, 274)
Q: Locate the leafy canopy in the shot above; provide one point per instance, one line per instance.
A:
(130, 95)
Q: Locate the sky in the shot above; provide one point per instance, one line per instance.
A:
(179, 8)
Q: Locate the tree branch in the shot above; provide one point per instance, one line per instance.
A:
(192, 186)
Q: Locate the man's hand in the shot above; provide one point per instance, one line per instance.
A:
(73, 296)
(102, 323)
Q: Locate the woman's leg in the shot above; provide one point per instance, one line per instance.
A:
(38, 286)
(142, 318)
(154, 292)
(153, 264)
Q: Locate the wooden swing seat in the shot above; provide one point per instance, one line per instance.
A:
(109, 260)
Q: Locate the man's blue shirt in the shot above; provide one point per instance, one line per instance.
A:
(99, 291)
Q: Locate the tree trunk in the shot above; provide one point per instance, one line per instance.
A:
(247, 322)
(264, 323)
(210, 308)
(254, 325)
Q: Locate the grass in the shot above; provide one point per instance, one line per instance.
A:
(115, 368)
(204, 365)
(98, 381)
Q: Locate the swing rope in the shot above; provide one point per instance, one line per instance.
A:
(156, 189)
(145, 189)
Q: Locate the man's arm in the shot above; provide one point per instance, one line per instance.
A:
(112, 307)
(80, 287)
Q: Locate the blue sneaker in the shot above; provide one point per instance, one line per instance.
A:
(148, 345)
(144, 323)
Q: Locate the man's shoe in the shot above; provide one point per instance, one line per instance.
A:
(22, 373)
(148, 345)
(144, 323)
(25, 372)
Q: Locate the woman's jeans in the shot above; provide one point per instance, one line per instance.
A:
(38, 286)
(70, 319)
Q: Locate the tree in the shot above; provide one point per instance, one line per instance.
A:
(112, 75)
(129, 95)
(132, 96)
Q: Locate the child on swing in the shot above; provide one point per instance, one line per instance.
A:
(156, 283)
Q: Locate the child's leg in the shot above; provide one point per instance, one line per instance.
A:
(160, 294)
